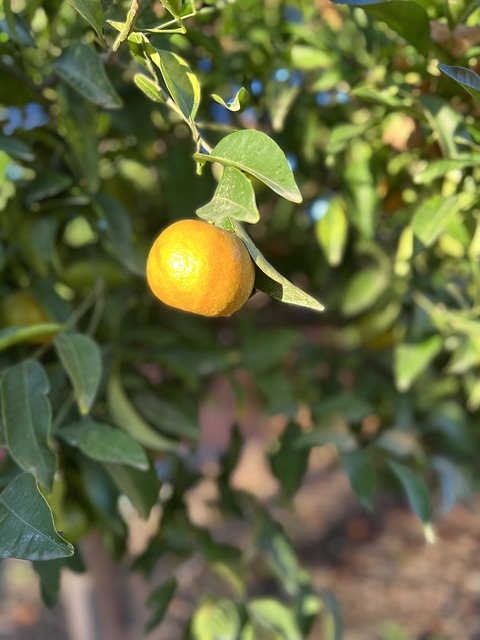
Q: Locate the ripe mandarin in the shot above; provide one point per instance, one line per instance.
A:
(200, 268)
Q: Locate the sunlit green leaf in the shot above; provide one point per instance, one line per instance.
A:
(465, 77)
(363, 290)
(238, 102)
(92, 12)
(257, 154)
(234, 197)
(181, 82)
(216, 619)
(332, 230)
(412, 359)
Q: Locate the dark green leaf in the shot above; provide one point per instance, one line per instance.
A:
(83, 70)
(170, 412)
(331, 616)
(16, 149)
(289, 465)
(26, 418)
(234, 197)
(102, 442)
(49, 574)
(257, 154)
(264, 350)
(466, 77)
(158, 602)
(92, 12)
(26, 526)
(415, 489)
(140, 487)
(270, 281)
(47, 184)
(359, 469)
(81, 359)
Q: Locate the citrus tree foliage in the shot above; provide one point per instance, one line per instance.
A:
(349, 132)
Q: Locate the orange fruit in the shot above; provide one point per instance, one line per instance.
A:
(200, 268)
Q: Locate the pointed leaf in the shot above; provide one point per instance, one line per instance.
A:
(433, 216)
(127, 418)
(216, 619)
(148, 87)
(49, 575)
(26, 526)
(83, 69)
(181, 82)
(274, 616)
(26, 418)
(16, 148)
(238, 103)
(15, 335)
(257, 154)
(81, 359)
(415, 489)
(412, 359)
(466, 77)
(332, 231)
(363, 290)
(158, 602)
(100, 441)
(407, 18)
(270, 281)
(234, 197)
(140, 487)
(360, 473)
(173, 6)
(91, 11)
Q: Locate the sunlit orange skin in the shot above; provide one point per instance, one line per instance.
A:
(197, 267)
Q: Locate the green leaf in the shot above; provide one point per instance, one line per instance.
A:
(415, 489)
(26, 418)
(257, 154)
(363, 290)
(158, 602)
(238, 103)
(270, 281)
(148, 87)
(234, 197)
(465, 77)
(102, 442)
(16, 149)
(83, 70)
(359, 469)
(127, 418)
(46, 185)
(26, 525)
(170, 412)
(412, 359)
(118, 232)
(92, 12)
(140, 487)
(81, 359)
(15, 335)
(408, 19)
(174, 7)
(289, 466)
(268, 614)
(181, 82)
(332, 231)
(263, 351)
(216, 619)
(49, 575)
(438, 168)
(332, 620)
(433, 216)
